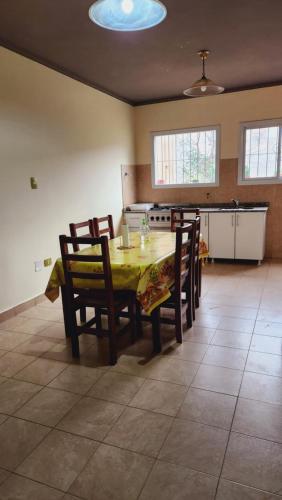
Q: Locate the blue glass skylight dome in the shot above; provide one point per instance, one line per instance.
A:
(127, 15)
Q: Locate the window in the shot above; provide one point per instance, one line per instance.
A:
(260, 160)
(185, 157)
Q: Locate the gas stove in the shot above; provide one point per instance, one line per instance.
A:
(159, 218)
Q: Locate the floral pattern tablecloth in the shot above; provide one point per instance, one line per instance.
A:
(147, 268)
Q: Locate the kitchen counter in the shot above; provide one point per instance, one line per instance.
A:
(212, 207)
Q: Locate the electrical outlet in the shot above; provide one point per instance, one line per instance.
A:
(38, 266)
(47, 262)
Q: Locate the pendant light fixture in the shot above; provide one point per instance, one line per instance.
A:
(204, 86)
(127, 15)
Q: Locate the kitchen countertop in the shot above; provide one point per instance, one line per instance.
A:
(214, 207)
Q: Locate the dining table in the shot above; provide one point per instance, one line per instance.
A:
(145, 267)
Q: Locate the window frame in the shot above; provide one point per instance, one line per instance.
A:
(244, 126)
(181, 131)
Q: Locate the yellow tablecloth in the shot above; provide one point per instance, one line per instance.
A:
(147, 269)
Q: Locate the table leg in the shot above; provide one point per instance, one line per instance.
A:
(155, 316)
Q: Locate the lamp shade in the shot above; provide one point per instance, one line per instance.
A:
(127, 15)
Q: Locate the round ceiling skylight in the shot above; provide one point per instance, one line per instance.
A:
(127, 15)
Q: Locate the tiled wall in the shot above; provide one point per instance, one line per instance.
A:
(228, 188)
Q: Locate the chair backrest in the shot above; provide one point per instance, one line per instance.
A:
(109, 229)
(197, 223)
(75, 226)
(184, 254)
(180, 216)
(73, 268)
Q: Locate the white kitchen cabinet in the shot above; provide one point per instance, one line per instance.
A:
(205, 226)
(250, 235)
(222, 235)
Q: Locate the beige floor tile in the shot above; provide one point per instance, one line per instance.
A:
(113, 474)
(208, 407)
(44, 313)
(41, 371)
(116, 387)
(260, 387)
(268, 364)
(11, 340)
(17, 440)
(77, 379)
(91, 418)
(35, 345)
(170, 481)
(270, 345)
(12, 362)
(218, 379)
(226, 357)
(188, 351)
(203, 320)
(20, 488)
(140, 431)
(249, 313)
(70, 497)
(232, 491)
(48, 407)
(173, 370)
(270, 315)
(10, 324)
(31, 326)
(66, 456)
(267, 328)
(4, 474)
(232, 339)
(236, 325)
(255, 418)
(2, 352)
(254, 462)
(54, 330)
(14, 394)
(3, 418)
(195, 445)
(199, 334)
(160, 397)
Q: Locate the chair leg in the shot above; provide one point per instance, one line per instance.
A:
(200, 277)
(178, 322)
(112, 339)
(98, 319)
(65, 311)
(156, 330)
(132, 318)
(82, 315)
(197, 297)
(138, 319)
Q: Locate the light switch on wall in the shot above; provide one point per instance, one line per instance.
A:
(38, 265)
(33, 183)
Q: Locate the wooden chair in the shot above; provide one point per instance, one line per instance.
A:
(184, 258)
(180, 216)
(97, 299)
(106, 230)
(184, 273)
(75, 226)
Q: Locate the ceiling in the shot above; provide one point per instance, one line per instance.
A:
(244, 36)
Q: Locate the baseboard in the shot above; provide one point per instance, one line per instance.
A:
(10, 313)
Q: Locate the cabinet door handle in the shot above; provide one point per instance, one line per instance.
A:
(232, 220)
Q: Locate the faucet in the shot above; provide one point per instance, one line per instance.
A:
(235, 202)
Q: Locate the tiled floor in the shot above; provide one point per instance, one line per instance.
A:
(201, 421)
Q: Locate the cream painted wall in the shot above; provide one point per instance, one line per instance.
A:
(227, 110)
(73, 139)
